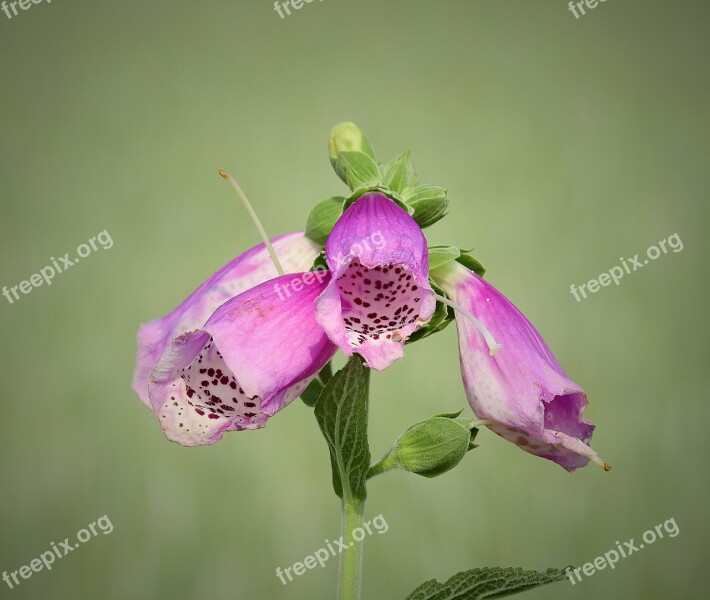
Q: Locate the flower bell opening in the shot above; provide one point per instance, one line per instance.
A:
(378, 301)
(493, 346)
(213, 390)
(199, 399)
(380, 292)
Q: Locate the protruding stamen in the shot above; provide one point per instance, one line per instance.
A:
(254, 218)
(493, 346)
(598, 461)
(579, 447)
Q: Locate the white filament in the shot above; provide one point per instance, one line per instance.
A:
(254, 218)
(493, 346)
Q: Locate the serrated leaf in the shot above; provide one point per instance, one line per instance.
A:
(341, 412)
(322, 219)
(399, 173)
(477, 584)
(359, 169)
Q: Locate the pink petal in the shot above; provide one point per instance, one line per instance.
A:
(523, 390)
(255, 355)
(295, 252)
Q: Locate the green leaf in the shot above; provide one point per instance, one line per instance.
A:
(442, 255)
(341, 412)
(430, 203)
(360, 170)
(478, 584)
(399, 173)
(322, 218)
(311, 394)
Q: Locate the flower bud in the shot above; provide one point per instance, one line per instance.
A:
(429, 448)
(347, 137)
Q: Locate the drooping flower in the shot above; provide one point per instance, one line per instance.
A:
(254, 266)
(521, 391)
(379, 293)
(233, 355)
(255, 354)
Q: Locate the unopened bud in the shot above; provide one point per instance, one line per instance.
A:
(429, 448)
(347, 137)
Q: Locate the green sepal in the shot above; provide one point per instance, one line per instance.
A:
(453, 415)
(359, 169)
(399, 173)
(320, 263)
(430, 203)
(442, 255)
(471, 263)
(443, 315)
(322, 219)
(474, 433)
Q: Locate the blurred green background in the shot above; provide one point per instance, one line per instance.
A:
(565, 144)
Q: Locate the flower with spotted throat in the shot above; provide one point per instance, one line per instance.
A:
(206, 373)
(380, 297)
(181, 372)
(237, 351)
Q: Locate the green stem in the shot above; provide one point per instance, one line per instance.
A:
(351, 558)
(389, 462)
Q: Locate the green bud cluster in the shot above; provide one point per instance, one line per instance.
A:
(354, 160)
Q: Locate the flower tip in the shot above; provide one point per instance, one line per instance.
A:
(223, 174)
(601, 463)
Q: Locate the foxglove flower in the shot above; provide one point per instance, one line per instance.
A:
(255, 354)
(379, 293)
(521, 391)
(296, 252)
